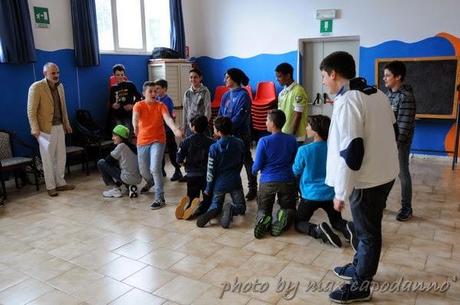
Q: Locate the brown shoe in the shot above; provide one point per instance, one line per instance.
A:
(52, 193)
(67, 187)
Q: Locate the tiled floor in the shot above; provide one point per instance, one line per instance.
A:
(80, 248)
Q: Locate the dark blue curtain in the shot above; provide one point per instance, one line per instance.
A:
(84, 25)
(177, 27)
(16, 37)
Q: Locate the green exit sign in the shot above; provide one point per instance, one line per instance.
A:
(325, 26)
(42, 17)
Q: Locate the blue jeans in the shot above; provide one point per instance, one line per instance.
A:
(404, 175)
(367, 207)
(238, 201)
(110, 173)
(150, 158)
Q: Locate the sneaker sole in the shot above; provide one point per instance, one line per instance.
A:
(343, 277)
(281, 222)
(365, 299)
(192, 209)
(352, 238)
(158, 207)
(403, 219)
(181, 207)
(336, 243)
(262, 228)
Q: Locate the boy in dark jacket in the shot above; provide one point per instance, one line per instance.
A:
(194, 152)
(225, 162)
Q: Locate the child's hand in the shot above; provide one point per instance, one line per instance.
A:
(339, 205)
(178, 133)
(128, 107)
(116, 106)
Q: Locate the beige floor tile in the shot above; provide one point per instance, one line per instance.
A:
(403, 257)
(193, 267)
(264, 264)
(101, 291)
(332, 257)
(49, 269)
(435, 248)
(72, 250)
(95, 259)
(444, 266)
(74, 279)
(150, 278)
(268, 246)
(163, 258)
(300, 254)
(55, 297)
(225, 274)
(229, 256)
(182, 290)
(138, 297)
(10, 277)
(135, 249)
(200, 247)
(429, 299)
(447, 236)
(234, 239)
(214, 297)
(258, 302)
(121, 268)
(23, 292)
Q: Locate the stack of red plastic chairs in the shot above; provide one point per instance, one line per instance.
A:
(264, 101)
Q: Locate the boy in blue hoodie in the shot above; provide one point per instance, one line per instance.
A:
(274, 157)
(225, 162)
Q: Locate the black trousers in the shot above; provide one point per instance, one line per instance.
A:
(305, 211)
(252, 179)
(195, 186)
(171, 146)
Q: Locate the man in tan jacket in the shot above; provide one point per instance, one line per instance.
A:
(47, 112)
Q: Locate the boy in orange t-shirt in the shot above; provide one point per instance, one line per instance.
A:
(149, 116)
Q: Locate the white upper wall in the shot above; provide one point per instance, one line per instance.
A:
(245, 28)
(59, 33)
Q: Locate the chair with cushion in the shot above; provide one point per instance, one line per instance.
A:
(16, 165)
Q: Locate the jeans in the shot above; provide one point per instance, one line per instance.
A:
(305, 212)
(287, 198)
(110, 173)
(252, 179)
(238, 201)
(404, 175)
(150, 157)
(367, 207)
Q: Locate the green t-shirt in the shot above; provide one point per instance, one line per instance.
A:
(294, 99)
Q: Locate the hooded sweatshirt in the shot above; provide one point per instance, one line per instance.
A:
(236, 105)
(403, 105)
(225, 162)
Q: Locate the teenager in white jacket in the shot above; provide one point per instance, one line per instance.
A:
(362, 163)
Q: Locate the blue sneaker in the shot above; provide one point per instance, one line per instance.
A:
(346, 272)
(350, 293)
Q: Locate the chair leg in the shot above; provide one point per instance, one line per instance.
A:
(16, 181)
(3, 186)
(85, 159)
(37, 184)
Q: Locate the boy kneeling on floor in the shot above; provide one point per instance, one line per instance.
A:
(225, 162)
(120, 169)
(194, 152)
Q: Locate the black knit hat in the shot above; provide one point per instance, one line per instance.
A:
(238, 76)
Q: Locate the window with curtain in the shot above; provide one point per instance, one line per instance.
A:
(126, 26)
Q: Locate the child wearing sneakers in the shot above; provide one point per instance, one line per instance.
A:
(310, 165)
(120, 166)
(161, 87)
(274, 157)
(193, 151)
(149, 116)
(225, 161)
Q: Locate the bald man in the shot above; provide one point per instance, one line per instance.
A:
(47, 112)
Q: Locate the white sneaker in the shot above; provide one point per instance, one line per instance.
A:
(115, 192)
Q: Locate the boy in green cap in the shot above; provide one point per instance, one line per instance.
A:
(120, 167)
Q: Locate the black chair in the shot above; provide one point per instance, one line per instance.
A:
(76, 152)
(90, 136)
(11, 164)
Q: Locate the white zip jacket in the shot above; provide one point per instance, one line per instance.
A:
(362, 149)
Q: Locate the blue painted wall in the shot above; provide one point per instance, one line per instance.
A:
(85, 87)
